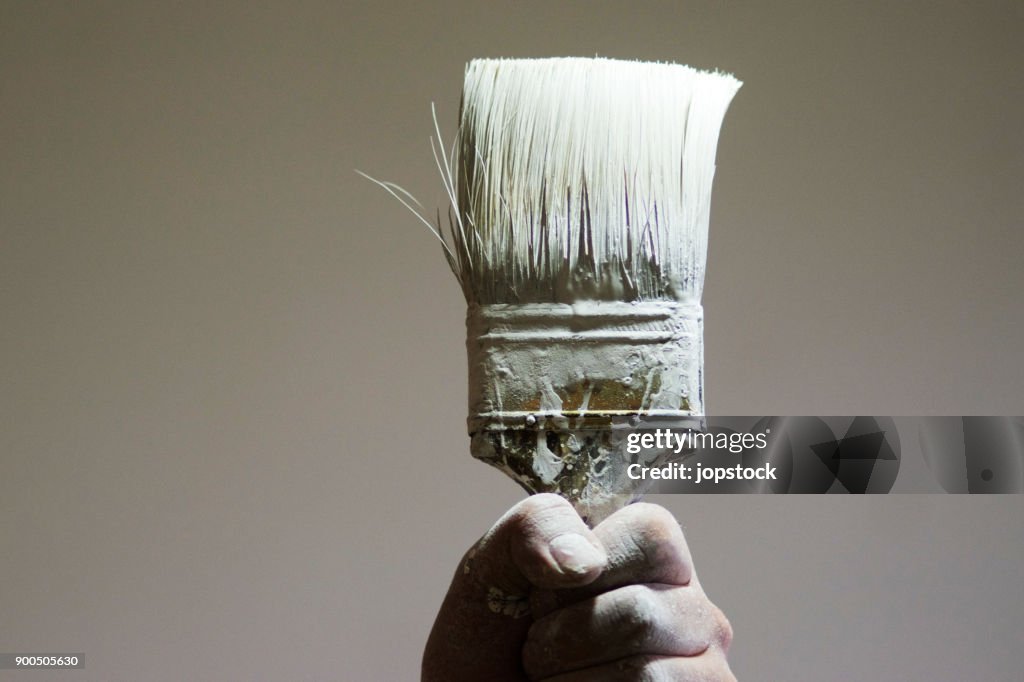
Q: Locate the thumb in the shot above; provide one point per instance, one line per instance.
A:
(539, 543)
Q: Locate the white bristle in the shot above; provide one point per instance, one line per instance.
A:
(583, 179)
(580, 193)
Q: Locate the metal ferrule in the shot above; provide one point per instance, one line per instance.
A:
(555, 388)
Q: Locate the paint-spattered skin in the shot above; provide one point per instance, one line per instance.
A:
(555, 389)
(542, 596)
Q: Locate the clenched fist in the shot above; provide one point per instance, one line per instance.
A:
(543, 597)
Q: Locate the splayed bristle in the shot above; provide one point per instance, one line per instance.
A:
(583, 182)
(583, 179)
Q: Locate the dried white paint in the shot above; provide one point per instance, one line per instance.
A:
(580, 195)
(522, 354)
(501, 603)
(583, 179)
(524, 358)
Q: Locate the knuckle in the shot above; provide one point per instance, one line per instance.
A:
(656, 520)
(541, 505)
(639, 612)
(544, 502)
(663, 543)
(533, 518)
(723, 628)
(721, 674)
(537, 509)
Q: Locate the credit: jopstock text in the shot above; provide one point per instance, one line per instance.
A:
(666, 440)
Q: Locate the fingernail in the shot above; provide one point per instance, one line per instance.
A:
(575, 554)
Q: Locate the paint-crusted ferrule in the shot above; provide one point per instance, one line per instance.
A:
(555, 389)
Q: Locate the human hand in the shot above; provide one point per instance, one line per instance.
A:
(543, 597)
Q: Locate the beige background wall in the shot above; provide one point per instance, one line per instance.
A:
(232, 383)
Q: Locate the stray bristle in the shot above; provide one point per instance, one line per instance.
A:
(583, 182)
(583, 179)
(580, 179)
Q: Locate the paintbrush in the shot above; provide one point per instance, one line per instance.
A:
(580, 193)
